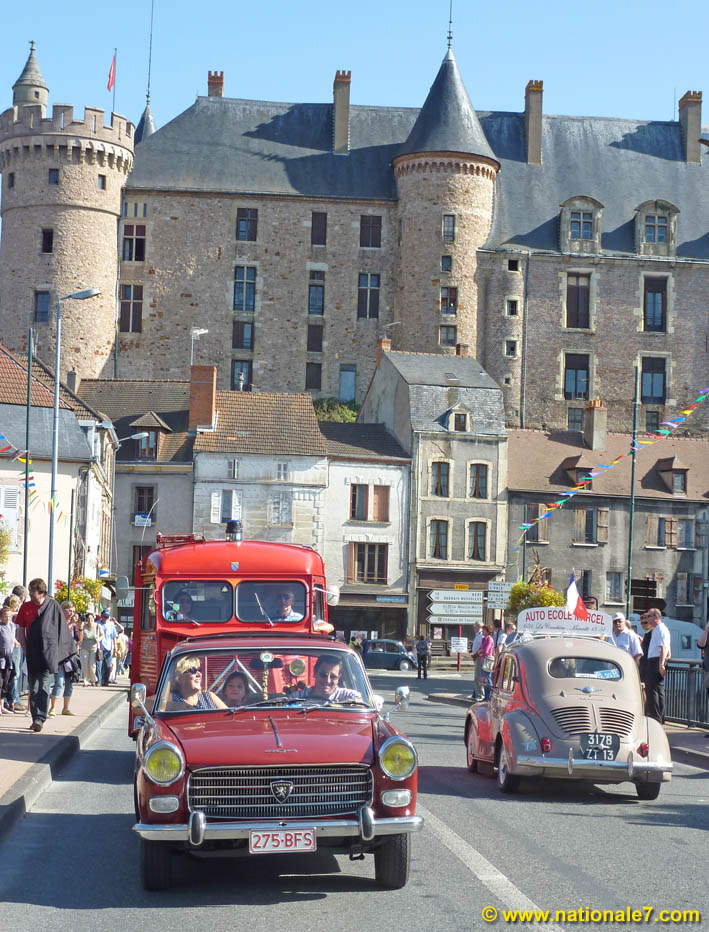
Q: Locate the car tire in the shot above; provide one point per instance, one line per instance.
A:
(506, 781)
(404, 665)
(648, 790)
(392, 861)
(470, 761)
(155, 865)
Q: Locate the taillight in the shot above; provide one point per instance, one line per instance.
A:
(644, 749)
(546, 744)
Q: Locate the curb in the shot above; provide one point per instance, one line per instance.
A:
(449, 700)
(20, 798)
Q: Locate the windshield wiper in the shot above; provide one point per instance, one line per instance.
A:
(260, 608)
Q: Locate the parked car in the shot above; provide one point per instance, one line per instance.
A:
(264, 743)
(385, 654)
(567, 708)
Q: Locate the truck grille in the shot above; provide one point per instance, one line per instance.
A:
(616, 721)
(275, 792)
(574, 720)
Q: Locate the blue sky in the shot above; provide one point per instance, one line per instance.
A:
(626, 58)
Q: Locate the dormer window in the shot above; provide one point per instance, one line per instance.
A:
(656, 228)
(580, 227)
(679, 482)
(459, 421)
(674, 475)
(148, 445)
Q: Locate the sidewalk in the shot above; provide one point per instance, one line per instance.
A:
(28, 760)
(688, 745)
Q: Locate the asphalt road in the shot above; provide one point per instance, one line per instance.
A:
(71, 863)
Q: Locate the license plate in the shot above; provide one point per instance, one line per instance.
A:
(599, 746)
(282, 840)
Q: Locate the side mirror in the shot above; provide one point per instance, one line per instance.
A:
(333, 595)
(122, 588)
(401, 701)
(138, 694)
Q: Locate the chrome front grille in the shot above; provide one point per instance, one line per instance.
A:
(616, 721)
(248, 792)
(574, 720)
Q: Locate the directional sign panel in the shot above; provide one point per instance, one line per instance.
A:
(456, 595)
(453, 620)
(497, 586)
(448, 608)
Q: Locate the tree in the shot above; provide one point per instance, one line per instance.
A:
(85, 593)
(330, 409)
(533, 595)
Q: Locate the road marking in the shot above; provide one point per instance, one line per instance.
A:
(496, 882)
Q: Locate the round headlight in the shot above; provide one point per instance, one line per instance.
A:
(164, 763)
(397, 758)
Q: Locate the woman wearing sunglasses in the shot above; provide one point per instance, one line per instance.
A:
(186, 688)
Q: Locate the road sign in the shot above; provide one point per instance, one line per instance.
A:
(497, 586)
(456, 595)
(449, 608)
(497, 604)
(454, 620)
(459, 645)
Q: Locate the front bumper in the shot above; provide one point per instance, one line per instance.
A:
(364, 828)
(611, 769)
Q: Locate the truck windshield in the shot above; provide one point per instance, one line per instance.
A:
(197, 601)
(273, 602)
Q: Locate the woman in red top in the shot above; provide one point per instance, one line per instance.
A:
(487, 650)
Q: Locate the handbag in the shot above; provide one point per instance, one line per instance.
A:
(488, 664)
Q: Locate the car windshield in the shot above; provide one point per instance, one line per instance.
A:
(584, 668)
(197, 601)
(272, 602)
(263, 676)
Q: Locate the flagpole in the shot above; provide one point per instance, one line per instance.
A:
(115, 59)
(631, 517)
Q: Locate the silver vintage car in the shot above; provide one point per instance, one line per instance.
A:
(571, 708)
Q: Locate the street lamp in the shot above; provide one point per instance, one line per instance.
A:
(195, 334)
(77, 296)
(120, 440)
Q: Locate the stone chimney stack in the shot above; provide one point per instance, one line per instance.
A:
(383, 346)
(690, 116)
(462, 349)
(533, 121)
(595, 420)
(203, 396)
(341, 112)
(215, 83)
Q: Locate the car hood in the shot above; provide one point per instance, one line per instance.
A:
(249, 739)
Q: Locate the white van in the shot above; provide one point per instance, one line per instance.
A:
(683, 636)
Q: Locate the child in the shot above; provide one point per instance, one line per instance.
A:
(7, 643)
(236, 690)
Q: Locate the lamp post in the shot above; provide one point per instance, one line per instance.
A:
(77, 296)
(195, 334)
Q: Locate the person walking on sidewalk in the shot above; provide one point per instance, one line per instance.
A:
(478, 691)
(12, 703)
(422, 652)
(7, 643)
(63, 680)
(47, 642)
(657, 656)
(110, 629)
(88, 647)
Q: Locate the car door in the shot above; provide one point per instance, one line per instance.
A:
(392, 653)
(376, 657)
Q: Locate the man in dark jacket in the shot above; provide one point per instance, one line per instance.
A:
(47, 643)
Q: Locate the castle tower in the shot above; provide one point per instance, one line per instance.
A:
(62, 181)
(445, 175)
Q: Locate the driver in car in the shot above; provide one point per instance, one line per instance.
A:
(326, 673)
(284, 605)
(184, 607)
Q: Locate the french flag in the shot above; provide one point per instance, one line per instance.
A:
(574, 602)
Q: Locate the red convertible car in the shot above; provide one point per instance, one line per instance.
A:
(270, 743)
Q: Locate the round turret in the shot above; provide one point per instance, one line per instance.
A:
(30, 88)
(445, 175)
(62, 182)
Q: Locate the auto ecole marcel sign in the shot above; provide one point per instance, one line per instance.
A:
(556, 619)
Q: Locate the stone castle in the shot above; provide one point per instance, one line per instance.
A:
(561, 252)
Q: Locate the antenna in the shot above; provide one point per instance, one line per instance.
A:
(450, 24)
(150, 50)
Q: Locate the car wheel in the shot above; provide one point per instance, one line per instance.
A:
(469, 759)
(507, 782)
(404, 665)
(648, 790)
(155, 865)
(391, 862)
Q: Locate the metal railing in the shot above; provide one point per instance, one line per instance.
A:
(686, 700)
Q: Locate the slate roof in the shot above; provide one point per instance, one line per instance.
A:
(370, 441)
(447, 121)
(263, 423)
(437, 369)
(145, 127)
(536, 457)
(152, 420)
(30, 73)
(72, 443)
(126, 401)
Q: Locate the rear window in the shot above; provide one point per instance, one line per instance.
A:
(565, 668)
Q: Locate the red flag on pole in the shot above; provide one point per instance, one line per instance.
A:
(112, 73)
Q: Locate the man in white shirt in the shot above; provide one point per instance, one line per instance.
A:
(657, 656)
(625, 638)
(478, 691)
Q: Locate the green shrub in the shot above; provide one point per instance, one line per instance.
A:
(85, 593)
(330, 409)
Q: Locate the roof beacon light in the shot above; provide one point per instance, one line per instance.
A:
(234, 531)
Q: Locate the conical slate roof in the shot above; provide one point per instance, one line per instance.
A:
(146, 126)
(447, 121)
(31, 75)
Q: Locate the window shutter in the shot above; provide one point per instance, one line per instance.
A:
(351, 562)
(700, 534)
(9, 510)
(235, 504)
(697, 586)
(374, 302)
(579, 525)
(233, 469)
(362, 302)
(602, 526)
(671, 532)
(682, 588)
(380, 505)
(215, 516)
(651, 536)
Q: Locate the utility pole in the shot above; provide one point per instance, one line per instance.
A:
(631, 517)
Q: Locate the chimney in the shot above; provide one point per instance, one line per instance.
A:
(383, 346)
(341, 112)
(72, 380)
(462, 349)
(533, 121)
(690, 116)
(215, 83)
(595, 419)
(203, 396)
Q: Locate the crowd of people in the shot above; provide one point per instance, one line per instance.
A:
(47, 648)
